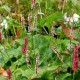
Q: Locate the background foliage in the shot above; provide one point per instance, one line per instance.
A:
(50, 67)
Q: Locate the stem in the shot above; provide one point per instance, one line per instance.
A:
(14, 30)
(46, 6)
(74, 75)
(45, 30)
(19, 13)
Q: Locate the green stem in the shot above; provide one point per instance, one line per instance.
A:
(46, 6)
(14, 30)
(45, 30)
(74, 75)
(19, 13)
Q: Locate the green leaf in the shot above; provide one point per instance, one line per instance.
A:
(63, 76)
(42, 70)
(13, 52)
(7, 45)
(2, 78)
(74, 2)
(42, 22)
(21, 60)
(6, 8)
(51, 18)
(48, 4)
(55, 65)
(18, 71)
(38, 1)
(20, 41)
(28, 73)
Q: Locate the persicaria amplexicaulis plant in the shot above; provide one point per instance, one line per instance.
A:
(37, 61)
(0, 36)
(33, 2)
(24, 49)
(16, 10)
(17, 1)
(56, 51)
(27, 58)
(9, 73)
(53, 29)
(71, 35)
(29, 22)
(35, 20)
(59, 6)
(76, 2)
(39, 10)
(22, 20)
(70, 19)
(75, 58)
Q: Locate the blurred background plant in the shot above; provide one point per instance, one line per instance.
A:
(52, 28)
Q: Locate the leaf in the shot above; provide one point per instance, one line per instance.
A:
(47, 75)
(18, 71)
(38, 1)
(51, 18)
(48, 4)
(7, 45)
(41, 72)
(13, 52)
(53, 0)
(28, 73)
(42, 22)
(20, 41)
(6, 8)
(2, 77)
(66, 30)
(55, 65)
(74, 2)
(21, 60)
(23, 67)
(63, 76)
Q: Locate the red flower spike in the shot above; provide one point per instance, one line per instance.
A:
(75, 58)
(0, 36)
(71, 35)
(24, 49)
(9, 73)
(26, 40)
